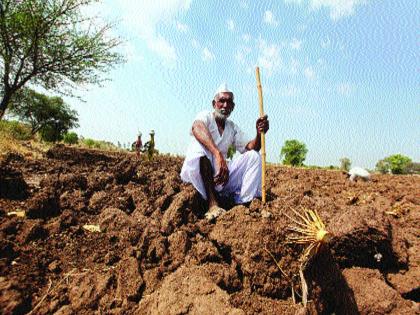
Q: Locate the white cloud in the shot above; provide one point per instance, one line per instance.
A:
(160, 46)
(207, 54)
(269, 18)
(325, 43)
(293, 1)
(338, 8)
(130, 52)
(294, 66)
(309, 73)
(289, 90)
(243, 5)
(145, 25)
(296, 44)
(195, 43)
(242, 54)
(230, 25)
(239, 57)
(246, 38)
(269, 57)
(182, 27)
(345, 89)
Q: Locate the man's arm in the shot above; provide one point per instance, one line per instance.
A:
(262, 125)
(202, 134)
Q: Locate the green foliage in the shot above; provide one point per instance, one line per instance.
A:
(53, 45)
(90, 143)
(97, 144)
(231, 152)
(49, 116)
(345, 164)
(70, 138)
(395, 164)
(293, 153)
(15, 129)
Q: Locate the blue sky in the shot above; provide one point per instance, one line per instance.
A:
(340, 75)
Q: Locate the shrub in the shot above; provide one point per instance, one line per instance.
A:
(70, 138)
(15, 129)
(88, 142)
(395, 164)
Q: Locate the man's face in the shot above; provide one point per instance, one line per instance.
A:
(223, 105)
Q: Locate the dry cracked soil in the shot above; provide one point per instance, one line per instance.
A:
(153, 252)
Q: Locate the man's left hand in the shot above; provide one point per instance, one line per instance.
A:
(262, 124)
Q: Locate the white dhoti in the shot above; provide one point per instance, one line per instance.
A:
(244, 176)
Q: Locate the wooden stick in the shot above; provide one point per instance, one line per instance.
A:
(262, 136)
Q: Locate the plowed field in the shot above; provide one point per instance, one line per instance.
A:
(153, 252)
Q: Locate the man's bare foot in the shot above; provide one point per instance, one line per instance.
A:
(214, 212)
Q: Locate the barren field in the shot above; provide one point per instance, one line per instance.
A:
(154, 253)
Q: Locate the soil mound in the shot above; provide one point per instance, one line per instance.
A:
(84, 231)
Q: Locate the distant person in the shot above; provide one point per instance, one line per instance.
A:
(138, 146)
(356, 172)
(205, 165)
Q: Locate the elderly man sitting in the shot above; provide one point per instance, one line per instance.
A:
(205, 164)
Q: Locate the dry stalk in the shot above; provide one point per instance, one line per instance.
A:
(284, 274)
(308, 230)
(49, 290)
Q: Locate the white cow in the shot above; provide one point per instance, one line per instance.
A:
(358, 172)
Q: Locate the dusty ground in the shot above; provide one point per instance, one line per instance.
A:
(155, 254)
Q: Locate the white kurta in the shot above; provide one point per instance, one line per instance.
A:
(244, 171)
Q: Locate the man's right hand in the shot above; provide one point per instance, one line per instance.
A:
(222, 176)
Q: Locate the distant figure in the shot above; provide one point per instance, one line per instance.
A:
(358, 172)
(149, 146)
(138, 146)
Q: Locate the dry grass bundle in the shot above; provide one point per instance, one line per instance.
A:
(308, 230)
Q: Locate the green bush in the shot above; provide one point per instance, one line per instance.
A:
(88, 142)
(293, 153)
(395, 164)
(70, 138)
(50, 134)
(15, 129)
(98, 144)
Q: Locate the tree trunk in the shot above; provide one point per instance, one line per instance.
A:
(4, 102)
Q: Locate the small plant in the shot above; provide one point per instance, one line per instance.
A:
(231, 152)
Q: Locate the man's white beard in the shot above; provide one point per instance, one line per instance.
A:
(219, 115)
